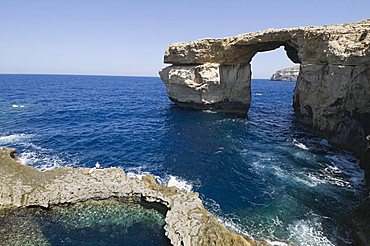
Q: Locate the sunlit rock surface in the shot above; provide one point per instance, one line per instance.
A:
(287, 74)
(186, 221)
(333, 87)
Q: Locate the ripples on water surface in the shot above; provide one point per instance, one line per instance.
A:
(92, 223)
(264, 175)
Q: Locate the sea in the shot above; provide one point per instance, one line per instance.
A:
(263, 175)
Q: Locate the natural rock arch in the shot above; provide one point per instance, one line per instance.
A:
(332, 91)
(218, 86)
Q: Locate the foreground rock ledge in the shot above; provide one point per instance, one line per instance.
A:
(187, 221)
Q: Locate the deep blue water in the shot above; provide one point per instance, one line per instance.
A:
(264, 175)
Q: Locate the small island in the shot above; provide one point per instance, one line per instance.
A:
(287, 74)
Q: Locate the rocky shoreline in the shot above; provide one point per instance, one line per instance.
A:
(187, 221)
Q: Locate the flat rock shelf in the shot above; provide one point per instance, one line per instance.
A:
(187, 222)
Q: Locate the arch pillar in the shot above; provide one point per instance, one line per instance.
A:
(209, 86)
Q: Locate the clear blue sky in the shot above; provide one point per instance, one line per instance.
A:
(129, 37)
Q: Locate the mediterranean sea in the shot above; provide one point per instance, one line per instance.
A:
(264, 175)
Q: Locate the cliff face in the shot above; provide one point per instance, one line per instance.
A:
(333, 87)
(287, 74)
(361, 222)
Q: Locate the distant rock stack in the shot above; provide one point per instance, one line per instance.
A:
(286, 74)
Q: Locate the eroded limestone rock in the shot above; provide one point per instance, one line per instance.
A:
(209, 86)
(346, 44)
(335, 100)
(187, 221)
(287, 74)
(332, 93)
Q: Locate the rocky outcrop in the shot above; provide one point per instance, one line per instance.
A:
(287, 74)
(332, 90)
(187, 221)
(361, 221)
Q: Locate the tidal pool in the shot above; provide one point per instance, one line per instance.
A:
(98, 223)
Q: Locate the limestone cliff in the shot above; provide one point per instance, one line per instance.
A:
(187, 221)
(287, 74)
(333, 87)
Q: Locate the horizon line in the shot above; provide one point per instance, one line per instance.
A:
(102, 75)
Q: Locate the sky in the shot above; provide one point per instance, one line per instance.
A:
(129, 37)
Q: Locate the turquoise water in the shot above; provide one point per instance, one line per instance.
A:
(264, 175)
(93, 223)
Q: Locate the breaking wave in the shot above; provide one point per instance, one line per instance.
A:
(300, 145)
(33, 155)
(179, 183)
(309, 233)
(14, 139)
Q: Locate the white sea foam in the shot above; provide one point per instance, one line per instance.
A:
(14, 138)
(228, 221)
(258, 94)
(299, 145)
(328, 179)
(219, 150)
(136, 175)
(169, 180)
(179, 183)
(41, 161)
(308, 233)
(311, 179)
(276, 243)
(32, 154)
(17, 106)
(232, 222)
(209, 111)
(345, 165)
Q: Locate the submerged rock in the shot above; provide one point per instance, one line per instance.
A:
(287, 74)
(187, 221)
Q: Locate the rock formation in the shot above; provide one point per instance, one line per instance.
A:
(287, 74)
(332, 93)
(361, 222)
(187, 221)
